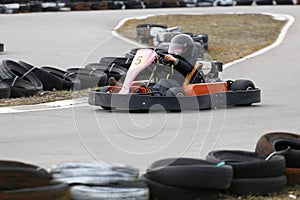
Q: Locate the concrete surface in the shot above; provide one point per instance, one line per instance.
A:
(82, 132)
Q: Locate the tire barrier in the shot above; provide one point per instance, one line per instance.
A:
(186, 178)
(68, 80)
(57, 79)
(20, 87)
(23, 86)
(122, 61)
(260, 186)
(191, 173)
(4, 90)
(165, 192)
(93, 180)
(17, 175)
(52, 191)
(114, 70)
(93, 173)
(125, 191)
(25, 80)
(89, 78)
(15, 69)
(287, 145)
(251, 169)
(20, 181)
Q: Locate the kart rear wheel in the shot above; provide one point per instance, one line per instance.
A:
(175, 92)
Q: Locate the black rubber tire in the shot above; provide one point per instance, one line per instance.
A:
(126, 191)
(286, 144)
(242, 85)
(122, 61)
(4, 90)
(18, 70)
(131, 53)
(199, 37)
(69, 81)
(20, 87)
(89, 78)
(175, 92)
(115, 71)
(258, 186)
(249, 164)
(1, 47)
(191, 173)
(52, 191)
(50, 81)
(17, 175)
(163, 192)
(9, 163)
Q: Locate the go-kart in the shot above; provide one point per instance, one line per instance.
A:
(202, 88)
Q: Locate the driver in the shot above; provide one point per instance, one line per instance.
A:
(181, 53)
(181, 56)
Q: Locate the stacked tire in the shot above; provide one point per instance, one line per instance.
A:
(287, 145)
(1, 47)
(253, 174)
(21, 83)
(93, 180)
(186, 178)
(113, 70)
(20, 181)
(25, 80)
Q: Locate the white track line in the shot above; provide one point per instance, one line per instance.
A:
(45, 106)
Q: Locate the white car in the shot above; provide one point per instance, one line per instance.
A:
(223, 2)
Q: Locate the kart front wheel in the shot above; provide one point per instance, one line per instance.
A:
(242, 85)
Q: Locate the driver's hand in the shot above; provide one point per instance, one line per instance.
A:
(170, 58)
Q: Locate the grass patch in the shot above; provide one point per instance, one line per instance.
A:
(231, 36)
(43, 97)
(289, 194)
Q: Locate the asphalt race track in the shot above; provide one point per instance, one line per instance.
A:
(82, 132)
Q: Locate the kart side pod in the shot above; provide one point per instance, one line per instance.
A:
(205, 88)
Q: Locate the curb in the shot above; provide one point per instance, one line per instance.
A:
(45, 106)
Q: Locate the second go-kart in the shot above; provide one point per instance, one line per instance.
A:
(202, 88)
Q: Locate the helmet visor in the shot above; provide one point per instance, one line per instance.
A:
(176, 48)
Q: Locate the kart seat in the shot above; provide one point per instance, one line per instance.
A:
(194, 76)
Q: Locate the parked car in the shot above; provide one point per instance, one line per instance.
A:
(171, 3)
(50, 5)
(187, 3)
(35, 6)
(284, 2)
(153, 3)
(115, 4)
(133, 4)
(205, 3)
(243, 2)
(2, 9)
(264, 2)
(223, 2)
(1, 47)
(12, 8)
